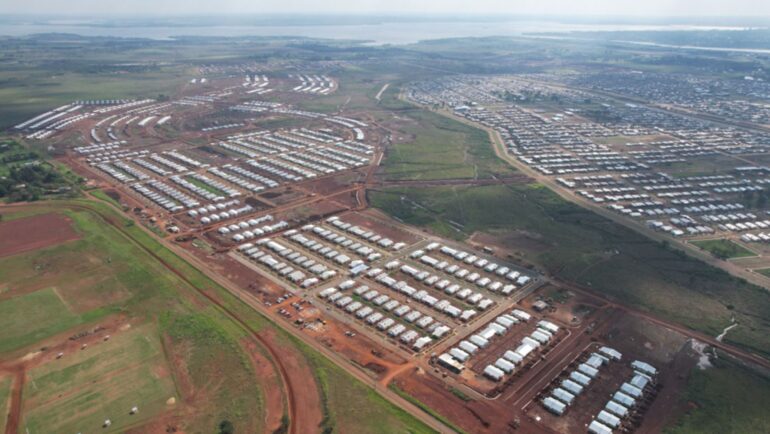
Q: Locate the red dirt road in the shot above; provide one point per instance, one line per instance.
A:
(14, 409)
(32, 233)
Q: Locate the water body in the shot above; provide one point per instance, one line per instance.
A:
(394, 32)
(698, 47)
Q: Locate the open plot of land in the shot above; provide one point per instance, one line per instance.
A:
(28, 318)
(33, 233)
(353, 407)
(207, 369)
(715, 164)
(440, 148)
(77, 393)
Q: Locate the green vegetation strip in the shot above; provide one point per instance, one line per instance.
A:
(723, 249)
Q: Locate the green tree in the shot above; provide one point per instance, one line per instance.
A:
(226, 427)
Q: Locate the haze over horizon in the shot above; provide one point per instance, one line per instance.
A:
(626, 8)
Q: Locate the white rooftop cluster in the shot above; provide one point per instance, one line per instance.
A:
(386, 315)
(625, 399)
(314, 84)
(281, 264)
(457, 356)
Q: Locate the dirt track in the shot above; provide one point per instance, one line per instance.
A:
(14, 409)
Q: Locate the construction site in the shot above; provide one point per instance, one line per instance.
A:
(273, 202)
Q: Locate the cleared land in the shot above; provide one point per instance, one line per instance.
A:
(34, 233)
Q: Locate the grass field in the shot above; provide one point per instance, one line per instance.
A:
(80, 391)
(438, 148)
(31, 317)
(353, 407)
(577, 245)
(215, 367)
(704, 166)
(97, 276)
(724, 249)
(725, 399)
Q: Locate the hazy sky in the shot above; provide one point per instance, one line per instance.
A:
(550, 7)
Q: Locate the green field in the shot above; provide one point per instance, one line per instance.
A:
(725, 399)
(211, 351)
(350, 406)
(574, 244)
(97, 277)
(438, 148)
(704, 166)
(80, 391)
(723, 249)
(31, 317)
(29, 92)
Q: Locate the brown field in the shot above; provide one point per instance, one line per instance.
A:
(36, 232)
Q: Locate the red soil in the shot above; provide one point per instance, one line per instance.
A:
(37, 232)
